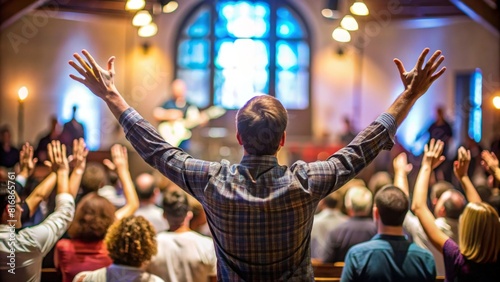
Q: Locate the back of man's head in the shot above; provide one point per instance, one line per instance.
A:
(438, 189)
(94, 177)
(358, 201)
(392, 205)
(331, 201)
(379, 180)
(261, 123)
(453, 203)
(145, 186)
(176, 208)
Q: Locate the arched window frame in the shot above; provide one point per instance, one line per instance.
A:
(301, 118)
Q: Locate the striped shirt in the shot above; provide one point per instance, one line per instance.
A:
(259, 212)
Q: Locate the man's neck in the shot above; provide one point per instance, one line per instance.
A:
(390, 230)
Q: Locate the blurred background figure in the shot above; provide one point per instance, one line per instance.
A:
(9, 154)
(53, 134)
(72, 129)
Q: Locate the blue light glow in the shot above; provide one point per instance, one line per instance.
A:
(476, 114)
(88, 113)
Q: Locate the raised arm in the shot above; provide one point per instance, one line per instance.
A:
(120, 159)
(401, 170)
(80, 153)
(460, 168)
(416, 82)
(490, 163)
(27, 164)
(100, 81)
(431, 159)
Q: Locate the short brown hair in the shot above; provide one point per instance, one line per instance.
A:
(94, 215)
(94, 177)
(392, 205)
(261, 123)
(479, 233)
(131, 241)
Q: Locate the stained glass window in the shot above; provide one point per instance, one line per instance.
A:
(230, 51)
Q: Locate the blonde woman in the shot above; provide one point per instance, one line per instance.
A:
(131, 244)
(475, 257)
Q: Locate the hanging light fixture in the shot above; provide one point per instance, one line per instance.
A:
(148, 30)
(134, 5)
(331, 10)
(341, 35)
(142, 18)
(359, 8)
(170, 7)
(349, 23)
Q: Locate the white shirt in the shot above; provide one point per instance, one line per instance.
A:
(414, 228)
(33, 243)
(117, 273)
(183, 257)
(154, 215)
(324, 222)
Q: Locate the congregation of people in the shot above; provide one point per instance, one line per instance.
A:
(94, 222)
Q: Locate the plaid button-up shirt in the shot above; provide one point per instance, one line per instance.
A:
(260, 213)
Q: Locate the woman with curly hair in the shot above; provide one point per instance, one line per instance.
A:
(476, 255)
(131, 243)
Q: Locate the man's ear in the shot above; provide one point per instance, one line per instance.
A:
(283, 138)
(239, 138)
(376, 215)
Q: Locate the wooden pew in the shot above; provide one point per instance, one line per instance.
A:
(50, 275)
(328, 270)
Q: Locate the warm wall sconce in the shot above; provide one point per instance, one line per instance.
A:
(22, 94)
(134, 5)
(359, 8)
(142, 18)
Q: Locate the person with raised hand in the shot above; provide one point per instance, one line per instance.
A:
(33, 243)
(490, 163)
(475, 257)
(460, 169)
(267, 236)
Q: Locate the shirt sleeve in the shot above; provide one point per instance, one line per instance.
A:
(45, 235)
(323, 177)
(188, 173)
(349, 269)
(453, 259)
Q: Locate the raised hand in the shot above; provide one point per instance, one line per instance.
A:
(461, 165)
(26, 160)
(80, 153)
(490, 161)
(98, 80)
(433, 154)
(119, 157)
(400, 164)
(420, 78)
(57, 156)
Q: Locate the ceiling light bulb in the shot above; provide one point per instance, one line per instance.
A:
(142, 18)
(341, 35)
(170, 7)
(349, 23)
(148, 30)
(134, 5)
(359, 8)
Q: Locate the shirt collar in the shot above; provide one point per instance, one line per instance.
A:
(390, 237)
(252, 160)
